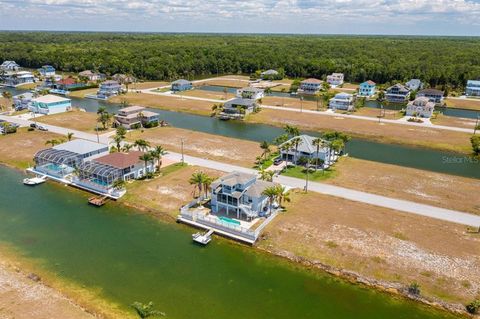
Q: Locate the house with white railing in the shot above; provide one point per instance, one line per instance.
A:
(335, 79)
(342, 101)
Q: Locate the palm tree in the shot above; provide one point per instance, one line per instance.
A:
(146, 311)
(121, 131)
(141, 117)
(118, 142)
(101, 110)
(207, 182)
(286, 148)
(217, 108)
(157, 153)
(265, 146)
(283, 194)
(319, 143)
(266, 175)
(272, 193)
(146, 157)
(69, 136)
(141, 144)
(52, 142)
(197, 179)
(118, 184)
(127, 147)
(105, 119)
(297, 141)
(291, 130)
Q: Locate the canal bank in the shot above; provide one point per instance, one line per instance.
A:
(395, 154)
(125, 257)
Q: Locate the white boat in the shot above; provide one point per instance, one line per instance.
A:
(34, 180)
(204, 238)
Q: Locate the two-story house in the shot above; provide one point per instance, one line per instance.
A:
(109, 88)
(181, 85)
(335, 79)
(9, 66)
(367, 89)
(250, 93)
(397, 94)
(46, 71)
(342, 101)
(135, 117)
(50, 104)
(473, 88)
(435, 96)
(414, 85)
(421, 106)
(310, 86)
(237, 108)
(306, 147)
(240, 195)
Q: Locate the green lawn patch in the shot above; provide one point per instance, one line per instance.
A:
(300, 172)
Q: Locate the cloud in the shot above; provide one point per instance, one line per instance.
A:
(197, 13)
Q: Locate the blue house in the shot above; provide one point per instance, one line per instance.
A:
(47, 70)
(367, 89)
(181, 85)
(473, 88)
(50, 104)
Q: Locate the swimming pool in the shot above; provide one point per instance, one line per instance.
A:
(229, 220)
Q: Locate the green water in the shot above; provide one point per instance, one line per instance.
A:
(131, 257)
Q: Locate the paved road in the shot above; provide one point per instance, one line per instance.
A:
(346, 193)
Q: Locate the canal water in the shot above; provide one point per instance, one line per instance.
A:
(414, 157)
(129, 257)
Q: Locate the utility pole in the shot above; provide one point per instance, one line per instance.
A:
(306, 179)
(183, 159)
(381, 111)
(301, 104)
(96, 130)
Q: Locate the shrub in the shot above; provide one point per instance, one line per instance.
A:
(414, 289)
(473, 306)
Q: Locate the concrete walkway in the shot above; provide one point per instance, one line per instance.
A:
(341, 192)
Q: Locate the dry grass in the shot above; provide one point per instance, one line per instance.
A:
(371, 112)
(75, 120)
(83, 93)
(388, 133)
(208, 94)
(453, 121)
(18, 148)
(470, 104)
(441, 190)
(164, 194)
(380, 243)
(208, 146)
(5, 103)
(233, 82)
(166, 103)
(28, 86)
(146, 85)
(290, 102)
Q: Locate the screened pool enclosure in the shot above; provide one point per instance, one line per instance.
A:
(97, 175)
(55, 162)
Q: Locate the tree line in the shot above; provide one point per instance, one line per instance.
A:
(439, 61)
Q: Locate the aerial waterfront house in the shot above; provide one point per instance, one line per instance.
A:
(367, 89)
(135, 117)
(100, 174)
(435, 96)
(473, 88)
(240, 195)
(250, 93)
(50, 104)
(63, 159)
(270, 75)
(109, 88)
(397, 94)
(9, 66)
(237, 108)
(414, 85)
(335, 79)
(46, 70)
(307, 149)
(16, 78)
(310, 86)
(68, 84)
(342, 101)
(22, 101)
(92, 76)
(181, 85)
(421, 106)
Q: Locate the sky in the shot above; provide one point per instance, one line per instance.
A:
(404, 17)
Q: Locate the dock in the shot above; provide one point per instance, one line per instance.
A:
(204, 238)
(98, 200)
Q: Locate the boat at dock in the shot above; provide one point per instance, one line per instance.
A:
(98, 200)
(203, 238)
(32, 181)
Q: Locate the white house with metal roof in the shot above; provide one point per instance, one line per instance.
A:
(50, 104)
(304, 146)
(250, 93)
(335, 79)
(240, 195)
(414, 85)
(342, 101)
(473, 88)
(9, 66)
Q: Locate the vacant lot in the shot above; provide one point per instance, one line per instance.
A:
(209, 146)
(372, 112)
(235, 81)
(75, 120)
(454, 121)
(471, 104)
(146, 85)
(166, 103)
(389, 133)
(291, 102)
(18, 149)
(380, 243)
(442, 190)
(208, 94)
(83, 93)
(164, 194)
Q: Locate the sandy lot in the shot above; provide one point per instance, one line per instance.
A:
(379, 243)
(371, 112)
(291, 102)
(391, 133)
(18, 149)
(209, 146)
(146, 85)
(209, 94)
(441, 190)
(75, 120)
(21, 297)
(229, 81)
(165, 194)
(166, 103)
(463, 103)
(454, 121)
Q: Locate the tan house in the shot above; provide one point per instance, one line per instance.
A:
(132, 117)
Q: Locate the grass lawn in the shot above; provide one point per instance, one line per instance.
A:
(300, 172)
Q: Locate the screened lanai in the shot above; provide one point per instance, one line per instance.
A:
(97, 175)
(55, 162)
